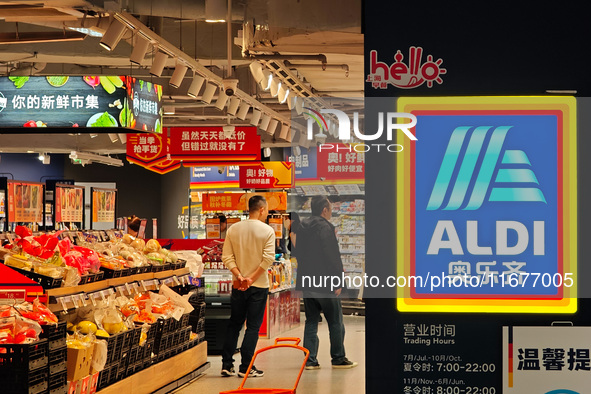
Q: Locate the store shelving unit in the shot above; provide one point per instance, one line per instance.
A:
(348, 217)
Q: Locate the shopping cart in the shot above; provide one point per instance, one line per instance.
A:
(277, 345)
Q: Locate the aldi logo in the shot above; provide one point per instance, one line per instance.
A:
(490, 195)
(513, 170)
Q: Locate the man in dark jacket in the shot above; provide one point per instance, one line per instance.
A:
(319, 259)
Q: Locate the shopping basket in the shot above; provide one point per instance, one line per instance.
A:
(277, 345)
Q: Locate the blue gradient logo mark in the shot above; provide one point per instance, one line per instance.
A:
(562, 391)
(476, 171)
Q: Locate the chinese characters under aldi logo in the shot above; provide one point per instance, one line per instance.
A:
(409, 75)
(492, 199)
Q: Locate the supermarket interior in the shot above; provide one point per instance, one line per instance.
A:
(422, 166)
(175, 113)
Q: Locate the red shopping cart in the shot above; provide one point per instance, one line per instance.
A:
(242, 390)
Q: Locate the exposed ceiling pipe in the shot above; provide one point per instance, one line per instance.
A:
(315, 66)
(321, 58)
(23, 69)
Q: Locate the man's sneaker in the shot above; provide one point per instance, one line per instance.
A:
(345, 364)
(313, 366)
(228, 371)
(254, 373)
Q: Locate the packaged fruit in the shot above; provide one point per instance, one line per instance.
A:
(86, 327)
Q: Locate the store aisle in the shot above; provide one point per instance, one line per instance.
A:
(281, 368)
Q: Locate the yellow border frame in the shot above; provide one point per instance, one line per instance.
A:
(568, 304)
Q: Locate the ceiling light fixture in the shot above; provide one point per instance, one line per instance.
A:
(215, 11)
(94, 158)
(122, 138)
(256, 70)
(272, 126)
(243, 111)
(113, 137)
(178, 75)
(267, 152)
(44, 157)
(139, 50)
(168, 110)
(222, 100)
(158, 64)
(208, 93)
(256, 116)
(275, 85)
(233, 106)
(283, 94)
(267, 80)
(265, 122)
(196, 85)
(297, 150)
(284, 133)
(113, 35)
(291, 103)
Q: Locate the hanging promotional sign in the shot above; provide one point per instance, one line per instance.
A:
(216, 202)
(214, 177)
(69, 203)
(267, 175)
(340, 161)
(146, 149)
(213, 144)
(277, 225)
(304, 160)
(81, 101)
(490, 192)
(25, 202)
(212, 228)
(549, 360)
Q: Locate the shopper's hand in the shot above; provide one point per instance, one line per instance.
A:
(246, 284)
(338, 292)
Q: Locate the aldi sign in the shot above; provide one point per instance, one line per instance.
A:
(490, 187)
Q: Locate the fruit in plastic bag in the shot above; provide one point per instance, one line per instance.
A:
(138, 244)
(86, 327)
(152, 246)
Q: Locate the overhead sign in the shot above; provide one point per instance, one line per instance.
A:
(146, 149)
(304, 160)
(216, 202)
(214, 177)
(488, 194)
(213, 144)
(340, 161)
(549, 360)
(267, 175)
(88, 101)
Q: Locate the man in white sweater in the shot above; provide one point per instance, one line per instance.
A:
(249, 250)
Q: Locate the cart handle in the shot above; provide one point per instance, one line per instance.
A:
(288, 339)
(303, 349)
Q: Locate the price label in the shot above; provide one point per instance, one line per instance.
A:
(12, 296)
(75, 302)
(128, 288)
(143, 285)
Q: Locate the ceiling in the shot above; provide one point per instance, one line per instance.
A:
(36, 39)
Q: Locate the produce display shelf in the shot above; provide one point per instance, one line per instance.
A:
(162, 374)
(96, 286)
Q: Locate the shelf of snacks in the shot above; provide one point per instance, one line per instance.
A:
(348, 217)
